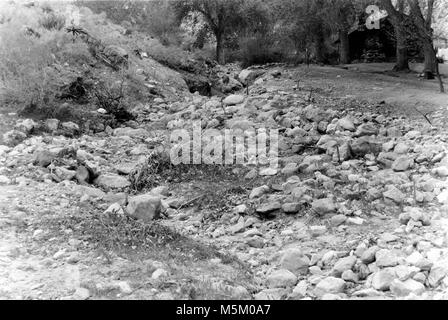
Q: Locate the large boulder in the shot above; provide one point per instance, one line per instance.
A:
(145, 207)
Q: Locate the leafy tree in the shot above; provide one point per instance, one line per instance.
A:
(302, 22)
(221, 16)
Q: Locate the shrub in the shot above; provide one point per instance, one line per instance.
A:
(52, 21)
(111, 97)
(259, 49)
(26, 78)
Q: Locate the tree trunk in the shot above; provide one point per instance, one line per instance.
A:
(344, 54)
(402, 63)
(219, 49)
(430, 60)
(320, 45)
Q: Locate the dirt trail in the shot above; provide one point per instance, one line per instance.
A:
(375, 83)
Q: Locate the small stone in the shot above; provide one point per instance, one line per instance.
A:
(64, 174)
(437, 274)
(43, 158)
(52, 124)
(293, 207)
(114, 208)
(401, 148)
(59, 254)
(324, 206)
(404, 288)
(365, 145)
(269, 207)
(355, 221)
(126, 168)
(295, 261)
(394, 194)
(346, 124)
(238, 227)
(82, 175)
(360, 249)
(440, 172)
(405, 272)
(159, 274)
(402, 163)
(317, 231)
(290, 169)
(329, 258)
(281, 279)
(124, 287)
(13, 138)
(350, 276)
(330, 296)
(258, 192)
(337, 220)
(4, 180)
(70, 128)
(343, 264)
(416, 259)
(382, 279)
(369, 292)
(81, 294)
(271, 294)
(73, 258)
(300, 290)
(240, 209)
(112, 181)
(315, 270)
(329, 285)
(386, 258)
(420, 277)
(366, 129)
(268, 172)
(255, 242)
(27, 126)
(146, 207)
(234, 99)
(388, 237)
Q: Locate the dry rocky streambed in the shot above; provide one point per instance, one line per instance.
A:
(357, 208)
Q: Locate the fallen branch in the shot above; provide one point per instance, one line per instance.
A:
(424, 115)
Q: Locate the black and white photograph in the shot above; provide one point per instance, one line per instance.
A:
(241, 153)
